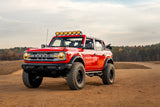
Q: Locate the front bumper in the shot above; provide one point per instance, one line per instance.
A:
(45, 67)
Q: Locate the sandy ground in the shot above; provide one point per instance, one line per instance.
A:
(132, 88)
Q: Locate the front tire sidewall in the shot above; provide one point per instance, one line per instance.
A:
(108, 76)
(72, 76)
(29, 81)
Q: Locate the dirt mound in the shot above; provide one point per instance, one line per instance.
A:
(129, 65)
(157, 62)
(8, 67)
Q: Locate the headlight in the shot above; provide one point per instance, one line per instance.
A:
(26, 56)
(61, 56)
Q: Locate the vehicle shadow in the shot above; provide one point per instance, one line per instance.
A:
(94, 83)
(45, 87)
(60, 86)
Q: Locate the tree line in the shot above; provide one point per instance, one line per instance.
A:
(12, 53)
(120, 53)
(137, 53)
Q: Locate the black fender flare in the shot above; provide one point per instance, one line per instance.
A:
(74, 58)
(108, 60)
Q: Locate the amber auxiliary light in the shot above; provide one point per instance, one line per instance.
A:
(68, 33)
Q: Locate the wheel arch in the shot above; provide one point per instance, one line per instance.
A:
(77, 59)
(108, 60)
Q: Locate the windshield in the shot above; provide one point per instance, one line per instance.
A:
(67, 42)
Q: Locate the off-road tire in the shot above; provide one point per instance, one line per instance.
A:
(31, 80)
(76, 76)
(108, 74)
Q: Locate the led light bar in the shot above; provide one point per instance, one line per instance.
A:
(68, 33)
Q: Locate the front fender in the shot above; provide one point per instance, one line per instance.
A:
(108, 60)
(77, 59)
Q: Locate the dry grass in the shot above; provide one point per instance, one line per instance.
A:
(8, 67)
(126, 65)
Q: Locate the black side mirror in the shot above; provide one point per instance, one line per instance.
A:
(43, 46)
(109, 46)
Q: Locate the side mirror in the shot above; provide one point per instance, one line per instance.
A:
(109, 46)
(43, 46)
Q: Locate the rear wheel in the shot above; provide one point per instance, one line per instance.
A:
(31, 80)
(108, 74)
(76, 76)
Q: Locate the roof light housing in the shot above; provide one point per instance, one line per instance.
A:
(68, 33)
(65, 33)
(79, 32)
(57, 33)
(74, 32)
(61, 33)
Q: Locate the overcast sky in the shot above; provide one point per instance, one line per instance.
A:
(119, 22)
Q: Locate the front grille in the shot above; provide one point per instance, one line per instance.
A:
(43, 56)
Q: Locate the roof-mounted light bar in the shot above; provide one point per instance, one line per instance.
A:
(68, 33)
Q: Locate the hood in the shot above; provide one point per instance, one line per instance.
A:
(54, 49)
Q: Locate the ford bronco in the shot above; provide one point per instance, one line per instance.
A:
(71, 55)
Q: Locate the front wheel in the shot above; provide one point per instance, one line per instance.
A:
(76, 76)
(108, 74)
(31, 80)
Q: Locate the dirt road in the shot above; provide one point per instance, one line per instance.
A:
(132, 88)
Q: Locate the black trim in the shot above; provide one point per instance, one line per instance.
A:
(106, 62)
(74, 58)
(45, 67)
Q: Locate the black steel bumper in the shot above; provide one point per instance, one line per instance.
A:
(45, 67)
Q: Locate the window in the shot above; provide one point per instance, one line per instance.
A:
(89, 43)
(57, 42)
(99, 45)
(67, 42)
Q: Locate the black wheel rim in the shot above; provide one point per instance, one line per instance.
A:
(111, 76)
(34, 78)
(79, 77)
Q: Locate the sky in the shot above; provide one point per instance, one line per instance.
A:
(119, 22)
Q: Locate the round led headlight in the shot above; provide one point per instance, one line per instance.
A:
(61, 33)
(70, 33)
(79, 32)
(65, 33)
(26, 56)
(74, 32)
(61, 56)
(57, 33)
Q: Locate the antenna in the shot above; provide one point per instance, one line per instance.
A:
(47, 37)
